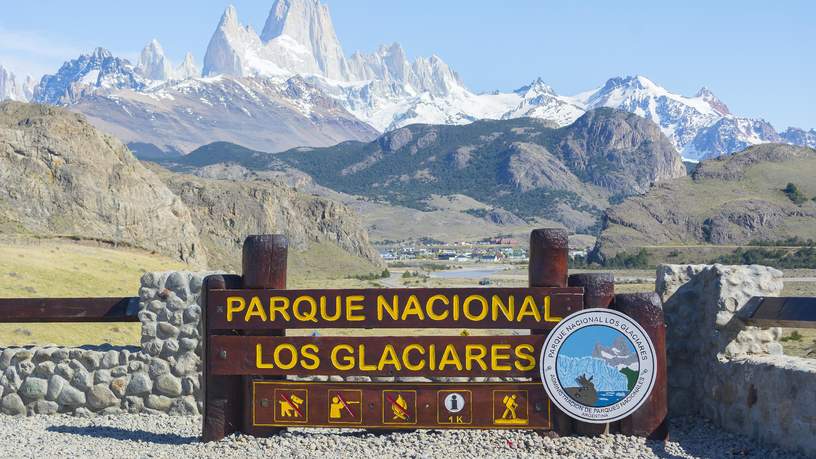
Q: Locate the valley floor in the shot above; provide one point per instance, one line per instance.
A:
(55, 268)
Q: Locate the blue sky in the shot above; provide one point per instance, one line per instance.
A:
(757, 56)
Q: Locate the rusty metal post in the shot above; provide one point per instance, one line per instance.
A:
(650, 419)
(549, 250)
(222, 415)
(264, 264)
(599, 292)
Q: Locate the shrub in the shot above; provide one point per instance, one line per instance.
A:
(794, 194)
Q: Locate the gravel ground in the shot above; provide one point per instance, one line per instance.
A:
(176, 437)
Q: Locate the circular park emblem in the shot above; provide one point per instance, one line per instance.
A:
(598, 365)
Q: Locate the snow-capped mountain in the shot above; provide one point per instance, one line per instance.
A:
(798, 136)
(10, 88)
(154, 65)
(383, 89)
(86, 74)
(176, 117)
(538, 100)
(730, 134)
(700, 127)
(679, 117)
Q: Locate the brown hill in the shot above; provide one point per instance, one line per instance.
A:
(732, 200)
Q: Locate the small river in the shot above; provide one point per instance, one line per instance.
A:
(469, 273)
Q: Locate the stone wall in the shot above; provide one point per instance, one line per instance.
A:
(726, 371)
(161, 376)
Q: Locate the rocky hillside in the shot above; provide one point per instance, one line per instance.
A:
(60, 176)
(734, 199)
(520, 169)
(225, 211)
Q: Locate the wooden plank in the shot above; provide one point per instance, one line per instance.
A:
(794, 312)
(25, 310)
(504, 356)
(536, 308)
(397, 406)
(223, 406)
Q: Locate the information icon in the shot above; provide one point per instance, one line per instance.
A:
(454, 406)
(454, 402)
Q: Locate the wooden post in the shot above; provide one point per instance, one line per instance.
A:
(599, 292)
(222, 416)
(264, 264)
(549, 250)
(650, 419)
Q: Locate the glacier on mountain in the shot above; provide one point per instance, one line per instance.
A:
(604, 376)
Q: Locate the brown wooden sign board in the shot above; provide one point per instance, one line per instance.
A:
(276, 404)
(263, 309)
(502, 356)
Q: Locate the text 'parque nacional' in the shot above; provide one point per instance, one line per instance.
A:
(481, 308)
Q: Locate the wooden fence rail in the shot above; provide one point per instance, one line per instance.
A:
(794, 312)
(27, 310)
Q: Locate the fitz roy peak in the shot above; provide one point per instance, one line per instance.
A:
(299, 38)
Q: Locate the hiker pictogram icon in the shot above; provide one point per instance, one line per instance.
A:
(291, 405)
(510, 407)
(399, 407)
(345, 406)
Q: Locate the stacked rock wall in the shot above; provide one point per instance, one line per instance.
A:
(163, 376)
(731, 373)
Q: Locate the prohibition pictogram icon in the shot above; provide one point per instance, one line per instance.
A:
(401, 407)
(345, 406)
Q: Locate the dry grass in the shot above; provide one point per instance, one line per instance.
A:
(68, 269)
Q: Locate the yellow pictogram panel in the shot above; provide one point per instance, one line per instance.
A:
(292, 405)
(399, 406)
(345, 406)
(510, 407)
(454, 406)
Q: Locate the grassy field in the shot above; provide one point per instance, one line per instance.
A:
(54, 268)
(68, 269)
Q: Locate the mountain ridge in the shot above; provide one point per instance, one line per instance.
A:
(523, 166)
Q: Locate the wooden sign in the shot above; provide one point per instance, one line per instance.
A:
(248, 355)
(502, 355)
(530, 308)
(398, 405)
